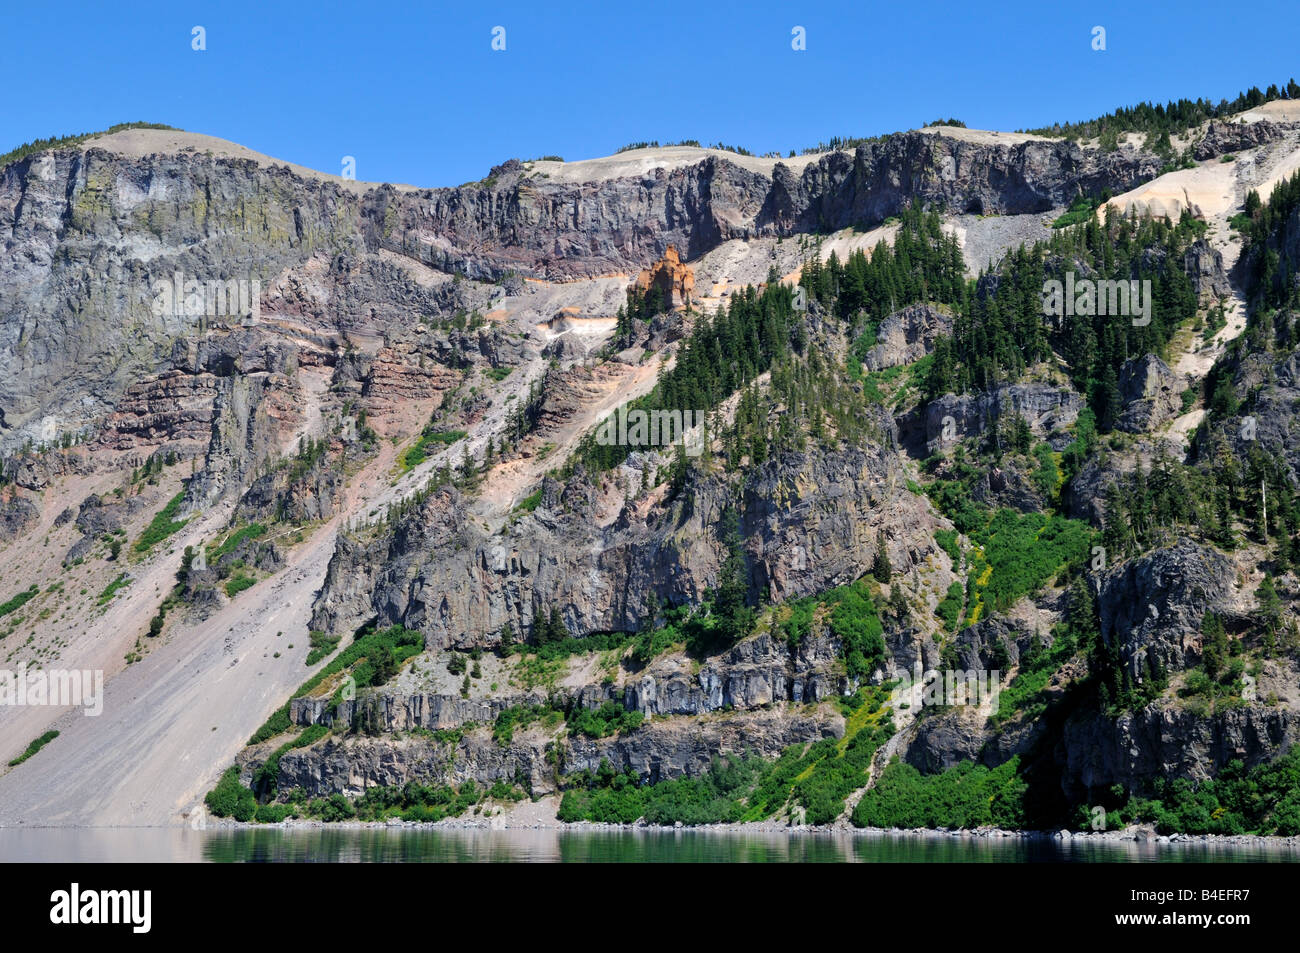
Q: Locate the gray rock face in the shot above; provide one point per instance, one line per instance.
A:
(756, 673)
(1222, 138)
(88, 235)
(877, 180)
(392, 711)
(95, 516)
(1167, 742)
(1274, 411)
(661, 749)
(1203, 264)
(810, 524)
(287, 494)
(1045, 408)
(17, 515)
(252, 414)
(947, 739)
(906, 336)
(1152, 606)
(1150, 392)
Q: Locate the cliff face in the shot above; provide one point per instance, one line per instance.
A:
(810, 524)
(87, 236)
(393, 324)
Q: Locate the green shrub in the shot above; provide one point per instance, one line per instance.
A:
(231, 542)
(420, 452)
(608, 719)
(162, 525)
(230, 798)
(34, 747)
(274, 813)
(321, 645)
(531, 501)
(964, 796)
(111, 589)
(947, 540)
(949, 607)
(238, 582)
(18, 601)
(1081, 209)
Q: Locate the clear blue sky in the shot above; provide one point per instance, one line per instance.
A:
(416, 94)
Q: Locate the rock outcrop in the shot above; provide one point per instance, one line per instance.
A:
(1203, 264)
(1151, 607)
(1150, 394)
(906, 336)
(1047, 410)
(1222, 138)
(1164, 741)
(91, 235)
(668, 279)
(18, 515)
(810, 523)
(659, 750)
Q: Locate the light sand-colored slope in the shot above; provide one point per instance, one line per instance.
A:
(1223, 187)
(172, 722)
(639, 162)
(144, 142)
(986, 137)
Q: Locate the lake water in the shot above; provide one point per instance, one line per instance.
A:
(475, 846)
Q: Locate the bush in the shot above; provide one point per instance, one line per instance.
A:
(231, 542)
(111, 589)
(162, 525)
(18, 601)
(855, 621)
(321, 645)
(608, 719)
(274, 813)
(429, 439)
(34, 747)
(230, 798)
(947, 540)
(238, 582)
(964, 796)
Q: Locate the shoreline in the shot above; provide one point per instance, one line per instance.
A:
(1137, 836)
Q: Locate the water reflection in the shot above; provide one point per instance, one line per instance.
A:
(338, 845)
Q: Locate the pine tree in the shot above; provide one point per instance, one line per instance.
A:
(731, 601)
(881, 569)
(1214, 645)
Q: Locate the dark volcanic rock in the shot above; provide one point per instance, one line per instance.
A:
(659, 750)
(906, 336)
(1045, 408)
(17, 515)
(1150, 392)
(1151, 607)
(1160, 741)
(1223, 137)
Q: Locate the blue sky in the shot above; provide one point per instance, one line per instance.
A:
(416, 93)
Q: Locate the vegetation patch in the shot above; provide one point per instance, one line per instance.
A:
(20, 600)
(34, 747)
(429, 440)
(111, 589)
(964, 796)
(162, 525)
